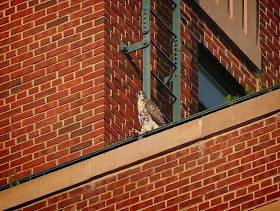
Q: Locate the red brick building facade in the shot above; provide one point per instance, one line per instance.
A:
(67, 90)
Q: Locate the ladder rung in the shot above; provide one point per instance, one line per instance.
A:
(172, 2)
(164, 117)
(163, 84)
(164, 24)
(164, 54)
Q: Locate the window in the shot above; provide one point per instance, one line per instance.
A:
(214, 81)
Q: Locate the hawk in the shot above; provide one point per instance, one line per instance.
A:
(149, 114)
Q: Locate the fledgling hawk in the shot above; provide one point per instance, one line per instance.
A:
(149, 114)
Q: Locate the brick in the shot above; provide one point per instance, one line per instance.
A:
(239, 139)
(239, 154)
(57, 155)
(33, 60)
(142, 174)
(45, 107)
(10, 157)
(34, 148)
(10, 84)
(33, 163)
(22, 116)
(82, 86)
(165, 196)
(81, 57)
(33, 75)
(22, 57)
(264, 130)
(214, 163)
(202, 175)
(69, 128)
(264, 160)
(80, 43)
(69, 114)
(22, 130)
(22, 42)
(190, 157)
(166, 166)
(141, 190)
(152, 194)
(45, 5)
(81, 131)
(45, 19)
(69, 157)
(214, 148)
(166, 181)
(69, 10)
(142, 205)
(241, 200)
(117, 184)
(57, 95)
(36, 206)
(190, 202)
(228, 181)
(251, 127)
(68, 70)
(253, 203)
(34, 104)
(224, 206)
(265, 175)
(45, 93)
(68, 40)
(57, 110)
(252, 157)
(276, 133)
(69, 84)
(21, 72)
(215, 178)
(240, 184)
(68, 201)
(45, 137)
(179, 184)
(57, 22)
(178, 199)
(57, 51)
(44, 166)
(264, 145)
(21, 14)
(253, 172)
(81, 146)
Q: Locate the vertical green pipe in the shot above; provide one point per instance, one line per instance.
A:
(147, 50)
(176, 19)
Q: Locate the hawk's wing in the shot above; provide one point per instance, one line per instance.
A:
(155, 113)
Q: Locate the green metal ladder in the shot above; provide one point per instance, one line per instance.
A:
(146, 43)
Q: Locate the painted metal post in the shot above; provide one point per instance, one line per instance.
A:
(176, 19)
(146, 12)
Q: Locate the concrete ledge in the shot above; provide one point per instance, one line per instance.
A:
(147, 147)
(270, 207)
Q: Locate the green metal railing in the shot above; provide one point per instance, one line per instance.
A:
(145, 44)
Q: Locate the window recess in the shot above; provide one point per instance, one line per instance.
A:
(215, 83)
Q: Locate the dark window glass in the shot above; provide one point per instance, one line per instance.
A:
(214, 81)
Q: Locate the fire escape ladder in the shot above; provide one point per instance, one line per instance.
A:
(175, 77)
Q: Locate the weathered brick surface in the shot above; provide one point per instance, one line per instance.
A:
(65, 83)
(155, 184)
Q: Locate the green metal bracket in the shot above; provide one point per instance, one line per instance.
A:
(135, 46)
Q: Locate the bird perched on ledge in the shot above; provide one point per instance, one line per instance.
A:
(149, 114)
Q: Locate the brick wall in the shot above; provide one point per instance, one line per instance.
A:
(67, 90)
(237, 170)
(269, 40)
